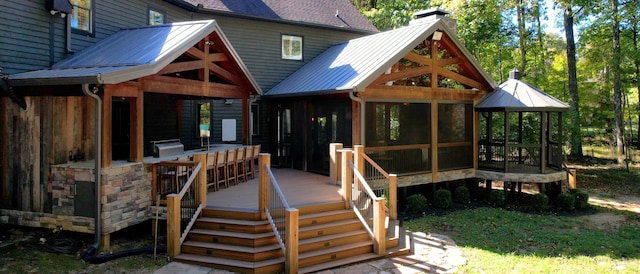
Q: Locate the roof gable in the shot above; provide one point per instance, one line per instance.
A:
(356, 64)
(131, 54)
(335, 13)
(516, 95)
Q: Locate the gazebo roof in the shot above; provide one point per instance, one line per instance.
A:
(516, 95)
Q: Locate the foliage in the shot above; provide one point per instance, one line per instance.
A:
(540, 201)
(416, 204)
(581, 198)
(442, 198)
(461, 195)
(566, 202)
(497, 198)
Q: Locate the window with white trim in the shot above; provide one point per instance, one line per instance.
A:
(156, 17)
(291, 47)
(82, 16)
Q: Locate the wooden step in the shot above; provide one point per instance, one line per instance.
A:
(232, 238)
(329, 229)
(318, 208)
(234, 252)
(334, 253)
(326, 217)
(323, 242)
(268, 266)
(239, 214)
(246, 226)
(338, 263)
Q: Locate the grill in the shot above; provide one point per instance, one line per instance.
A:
(166, 148)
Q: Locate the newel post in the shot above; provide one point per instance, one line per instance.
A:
(378, 227)
(393, 196)
(202, 178)
(334, 165)
(347, 176)
(291, 243)
(264, 161)
(173, 225)
(358, 160)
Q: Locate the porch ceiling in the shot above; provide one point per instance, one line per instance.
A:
(139, 52)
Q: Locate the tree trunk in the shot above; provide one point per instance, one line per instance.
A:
(636, 62)
(574, 107)
(522, 36)
(617, 85)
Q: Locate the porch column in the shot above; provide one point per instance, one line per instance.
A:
(334, 166)
(434, 141)
(347, 177)
(106, 126)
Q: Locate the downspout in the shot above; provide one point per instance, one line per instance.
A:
(98, 165)
(353, 96)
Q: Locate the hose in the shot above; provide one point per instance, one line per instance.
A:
(90, 254)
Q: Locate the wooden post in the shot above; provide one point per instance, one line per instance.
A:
(378, 227)
(264, 161)
(202, 178)
(347, 176)
(291, 242)
(393, 196)
(334, 168)
(358, 159)
(434, 138)
(173, 225)
(573, 179)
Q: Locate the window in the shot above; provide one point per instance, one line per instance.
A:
(204, 119)
(391, 124)
(291, 47)
(156, 17)
(82, 16)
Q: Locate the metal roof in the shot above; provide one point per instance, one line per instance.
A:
(516, 95)
(354, 64)
(128, 54)
(335, 13)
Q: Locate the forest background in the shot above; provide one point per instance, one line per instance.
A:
(583, 52)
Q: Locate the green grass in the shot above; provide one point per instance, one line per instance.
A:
(500, 241)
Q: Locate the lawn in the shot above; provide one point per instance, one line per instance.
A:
(597, 240)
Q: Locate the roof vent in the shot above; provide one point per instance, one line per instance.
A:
(432, 15)
(515, 74)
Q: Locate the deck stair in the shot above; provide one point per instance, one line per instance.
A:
(329, 236)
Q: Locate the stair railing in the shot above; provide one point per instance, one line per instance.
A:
(283, 218)
(184, 207)
(359, 196)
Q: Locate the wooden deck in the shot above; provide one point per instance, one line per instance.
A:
(299, 188)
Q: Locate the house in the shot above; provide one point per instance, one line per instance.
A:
(146, 60)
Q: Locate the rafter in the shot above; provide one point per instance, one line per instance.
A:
(182, 66)
(460, 78)
(417, 58)
(195, 53)
(224, 74)
(402, 74)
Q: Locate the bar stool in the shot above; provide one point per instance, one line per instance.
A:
(249, 160)
(231, 166)
(240, 168)
(211, 166)
(220, 171)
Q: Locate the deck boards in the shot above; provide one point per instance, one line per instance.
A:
(299, 188)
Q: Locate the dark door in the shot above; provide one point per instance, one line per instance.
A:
(120, 130)
(330, 122)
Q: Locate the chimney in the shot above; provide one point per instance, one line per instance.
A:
(514, 74)
(434, 14)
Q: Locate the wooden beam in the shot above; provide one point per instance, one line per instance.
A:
(434, 60)
(402, 74)
(450, 61)
(218, 57)
(434, 141)
(182, 66)
(107, 127)
(460, 78)
(181, 86)
(126, 89)
(136, 127)
(417, 58)
(194, 52)
(419, 93)
(224, 74)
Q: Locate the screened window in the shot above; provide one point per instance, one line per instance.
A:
(397, 123)
(455, 136)
(156, 17)
(291, 47)
(82, 16)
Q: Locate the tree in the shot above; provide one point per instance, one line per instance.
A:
(617, 84)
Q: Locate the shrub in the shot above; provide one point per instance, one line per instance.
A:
(566, 202)
(581, 198)
(416, 203)
(540, 201)
(461, 195)
(497, 198)
(442, 198)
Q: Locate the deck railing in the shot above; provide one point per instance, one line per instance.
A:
(357, 195)
(186, 203)
(283, 218)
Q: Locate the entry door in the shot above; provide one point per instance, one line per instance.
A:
(330, 122)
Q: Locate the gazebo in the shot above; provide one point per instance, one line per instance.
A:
(520, 129)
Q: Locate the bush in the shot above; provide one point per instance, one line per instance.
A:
(442, 198)
(416, 203)
(540, 201)
(566, 202)
(461, 195)
(581, 199)
(497, 198)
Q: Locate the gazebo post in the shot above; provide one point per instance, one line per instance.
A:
(543, 140)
